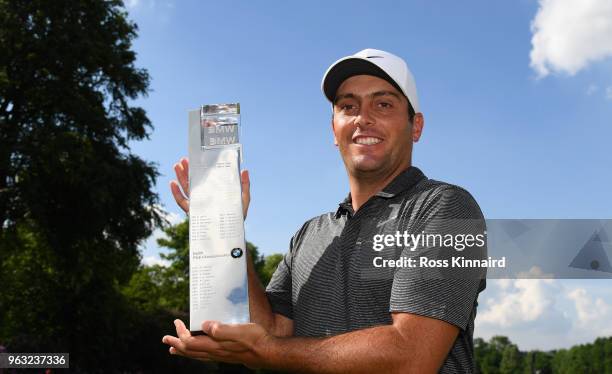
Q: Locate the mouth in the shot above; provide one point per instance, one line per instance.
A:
(366, 140)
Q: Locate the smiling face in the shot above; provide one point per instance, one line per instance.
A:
(372, 128)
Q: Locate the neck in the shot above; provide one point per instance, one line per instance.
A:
(363, 187)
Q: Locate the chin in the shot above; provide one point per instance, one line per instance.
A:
(366, 166)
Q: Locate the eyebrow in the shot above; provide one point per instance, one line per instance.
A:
(343, 96)
(374, 94)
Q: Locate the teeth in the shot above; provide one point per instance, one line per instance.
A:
(367, 140)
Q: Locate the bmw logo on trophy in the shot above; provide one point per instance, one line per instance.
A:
(217, 267)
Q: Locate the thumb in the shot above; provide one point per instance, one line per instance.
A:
(245, 182)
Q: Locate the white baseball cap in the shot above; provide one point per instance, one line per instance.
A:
(371, 62)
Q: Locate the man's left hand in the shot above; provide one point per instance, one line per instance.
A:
(234, 343)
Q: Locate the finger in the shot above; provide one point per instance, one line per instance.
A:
(194, 343)
(181, 170)
(191, 354)
(244, 179)
(245, 182)
(197, 343)
(178, 196)
(218, 353)
(185, 164)
(184, 336)
(183, 333)
(173, 341)
(221, 331)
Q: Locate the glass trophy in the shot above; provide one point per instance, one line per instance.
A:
(217, 252)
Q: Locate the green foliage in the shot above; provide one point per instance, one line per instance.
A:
(487, 355)
(270, 264)
(258, 259)
(265, 266)
(168, 287)
(158, 290)
(511, 360)
(499, 355)
(585, 358)
(537, 361)
(74, 202)
(174, 279)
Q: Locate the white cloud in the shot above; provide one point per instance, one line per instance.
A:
(609, 93)
(131, 3)
(594, 313)
(149, 247)
(519, 301)
(174, 218)
(545, 314)
(569, 34)
(155, 260)
(148, 4)
(592, 89)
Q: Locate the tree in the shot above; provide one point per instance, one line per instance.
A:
(607, 351)
(537, 362)
(499, 355)
(174, 279)
(265, 266)
(488, 355)
(165, 289)
(499, 343)
(511, 360)
(75, 203)
(172, 282)
(270, 264)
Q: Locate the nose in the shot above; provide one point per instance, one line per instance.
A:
(364, 117)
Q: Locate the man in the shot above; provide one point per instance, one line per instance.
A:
(328, 309)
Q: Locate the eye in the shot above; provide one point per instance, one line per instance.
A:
(347, 107)
(385, 104)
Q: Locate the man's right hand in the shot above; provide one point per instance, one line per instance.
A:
(180, 189)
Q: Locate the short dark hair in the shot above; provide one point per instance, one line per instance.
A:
(411, 112)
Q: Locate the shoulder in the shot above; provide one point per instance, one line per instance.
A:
(315, 226)
(431, 196)
(318, 222)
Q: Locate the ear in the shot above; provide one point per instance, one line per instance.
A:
(417, 127)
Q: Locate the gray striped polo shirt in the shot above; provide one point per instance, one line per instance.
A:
(327, 284)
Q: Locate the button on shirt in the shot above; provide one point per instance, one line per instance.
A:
(327, 282)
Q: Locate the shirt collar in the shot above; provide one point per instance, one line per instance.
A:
(402, 182)
(345, 207)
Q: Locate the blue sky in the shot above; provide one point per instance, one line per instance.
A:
(517, 99)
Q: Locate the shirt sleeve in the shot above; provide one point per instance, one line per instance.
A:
(446, 293)
(279, 289)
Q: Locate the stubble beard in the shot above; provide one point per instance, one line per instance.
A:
(361, 167)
